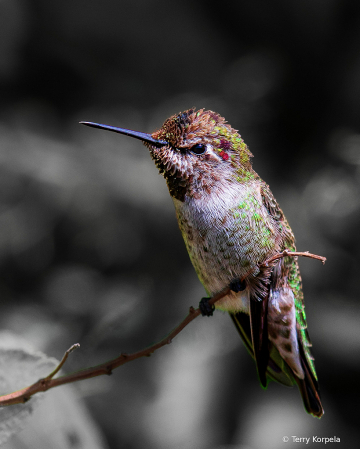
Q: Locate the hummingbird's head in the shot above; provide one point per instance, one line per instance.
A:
(195, 151)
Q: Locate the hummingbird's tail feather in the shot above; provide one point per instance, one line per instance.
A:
(309, 388)
(310, 396)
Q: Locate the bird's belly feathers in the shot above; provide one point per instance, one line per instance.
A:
(226, 238)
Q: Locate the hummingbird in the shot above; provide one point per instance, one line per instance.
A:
(231, 224)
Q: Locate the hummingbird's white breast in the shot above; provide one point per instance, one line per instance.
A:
(227, 233)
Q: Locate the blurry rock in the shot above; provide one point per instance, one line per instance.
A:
(61, 421)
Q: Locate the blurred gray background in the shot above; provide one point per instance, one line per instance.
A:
(90, 251)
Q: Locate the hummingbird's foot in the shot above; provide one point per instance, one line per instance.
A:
(238, 285)
(206, 309)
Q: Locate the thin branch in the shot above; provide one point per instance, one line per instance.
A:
(287, 253)
(63, 360)
(22, 396)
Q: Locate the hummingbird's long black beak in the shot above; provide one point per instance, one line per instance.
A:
(128, 132)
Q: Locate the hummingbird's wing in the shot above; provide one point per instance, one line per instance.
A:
(286, 277)
(259, 336)
(276, 367)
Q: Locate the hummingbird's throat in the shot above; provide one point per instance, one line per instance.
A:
(174, 167)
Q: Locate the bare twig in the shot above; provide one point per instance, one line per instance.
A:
(22, 396)
(63, 360)
(287, 253)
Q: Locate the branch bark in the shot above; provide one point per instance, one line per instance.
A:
(23, 395)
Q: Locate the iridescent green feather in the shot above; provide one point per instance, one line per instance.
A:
(294, 280)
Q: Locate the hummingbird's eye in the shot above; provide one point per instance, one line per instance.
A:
(199, 148)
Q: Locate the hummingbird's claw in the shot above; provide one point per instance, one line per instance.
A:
(206, 309)
(238, 285)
